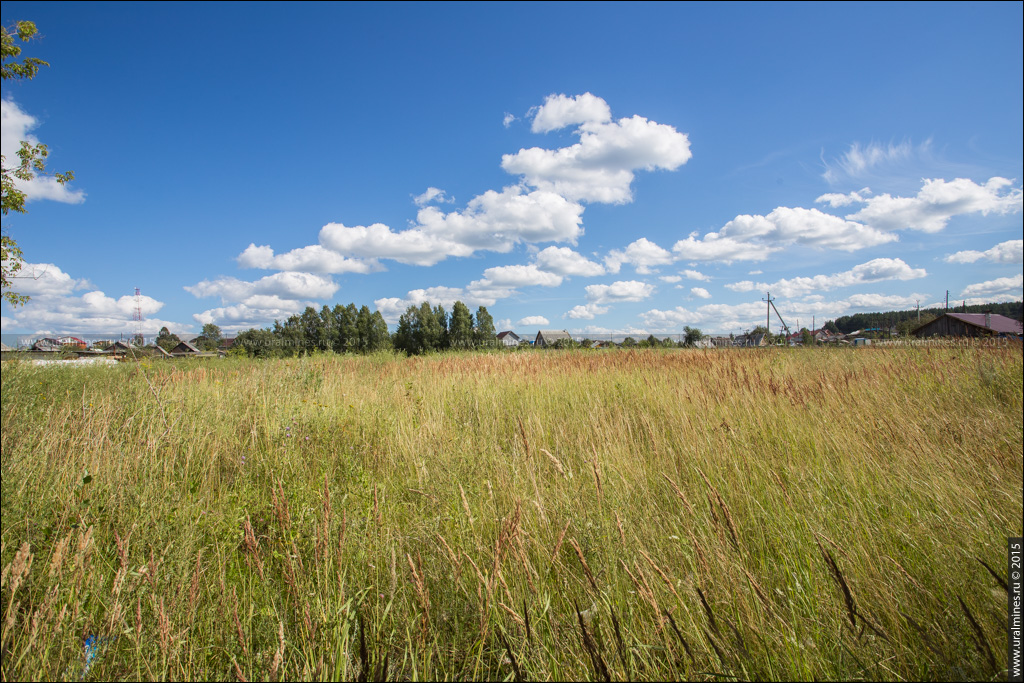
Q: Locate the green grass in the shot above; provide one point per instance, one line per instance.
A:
(772, 514)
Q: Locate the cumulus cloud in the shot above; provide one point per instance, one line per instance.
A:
(432, 194)
(274, 297)
(45, 279)
(623, 290)
(534, 320)
(378, 241)
(565, 261)
(700, 292)
(695, 275)
(559, 111)
(1011, 251)
(642, 254)
(521, 276)
(497, 221)
(314, 258)
(936, 203)
(671, 279)
(509, 119)
(715, 247)
(586, 312)
(807, 227)
(875, 270)
(15, 126)
(55, 307)
(544, 205)
(256, 313)
(600, 167)
(1000, 289)
(286, 285)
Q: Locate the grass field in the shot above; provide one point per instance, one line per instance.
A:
(680, 514)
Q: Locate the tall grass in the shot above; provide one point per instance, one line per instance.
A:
(772, 514)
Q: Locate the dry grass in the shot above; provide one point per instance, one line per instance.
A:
(773, 514)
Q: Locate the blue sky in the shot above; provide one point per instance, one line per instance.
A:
(612, 167)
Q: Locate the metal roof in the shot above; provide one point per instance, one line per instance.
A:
(997, 323)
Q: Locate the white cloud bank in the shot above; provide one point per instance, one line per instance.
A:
(56, 308)
(876, 270)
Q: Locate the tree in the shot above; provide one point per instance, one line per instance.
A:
(693, 336)
(483, 332)
(806, 337)
(460, 327)
(209, 340)
(31, 158)
(167, 341)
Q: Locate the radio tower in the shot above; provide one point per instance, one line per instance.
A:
(137, 317)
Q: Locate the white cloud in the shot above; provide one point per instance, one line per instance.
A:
(858, 161)
(700, 292)
(509, 119)
(837, 200)
(565, 261)
(1011, 251)
(695, 275)
(623, 290)
(875, 270)
(1003, 289)
(54, 307)
(313, 258)
(45, 279)
(258, 313)
(808, 227)
(15, 126)
(937, 202)
(286, 285)
(599, 168)
(714, 247)
(586, 312)
(671, 279)
(496, 221)
(379, 241)
(642, 254)
(559, 111)
(432, 194)
(534, 320)
(521, 276)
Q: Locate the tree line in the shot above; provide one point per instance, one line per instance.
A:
(347, 329)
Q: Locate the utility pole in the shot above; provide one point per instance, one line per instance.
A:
(947, 301)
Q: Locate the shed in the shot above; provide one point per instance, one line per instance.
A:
(120, 347)
(970, 325)
(184, 349)
(550, 337)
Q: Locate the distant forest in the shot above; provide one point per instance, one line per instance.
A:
(907, 320)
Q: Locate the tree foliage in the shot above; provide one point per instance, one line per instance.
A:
(31, 158)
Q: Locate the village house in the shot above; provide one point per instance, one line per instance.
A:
(970, 325)
(509, 338)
